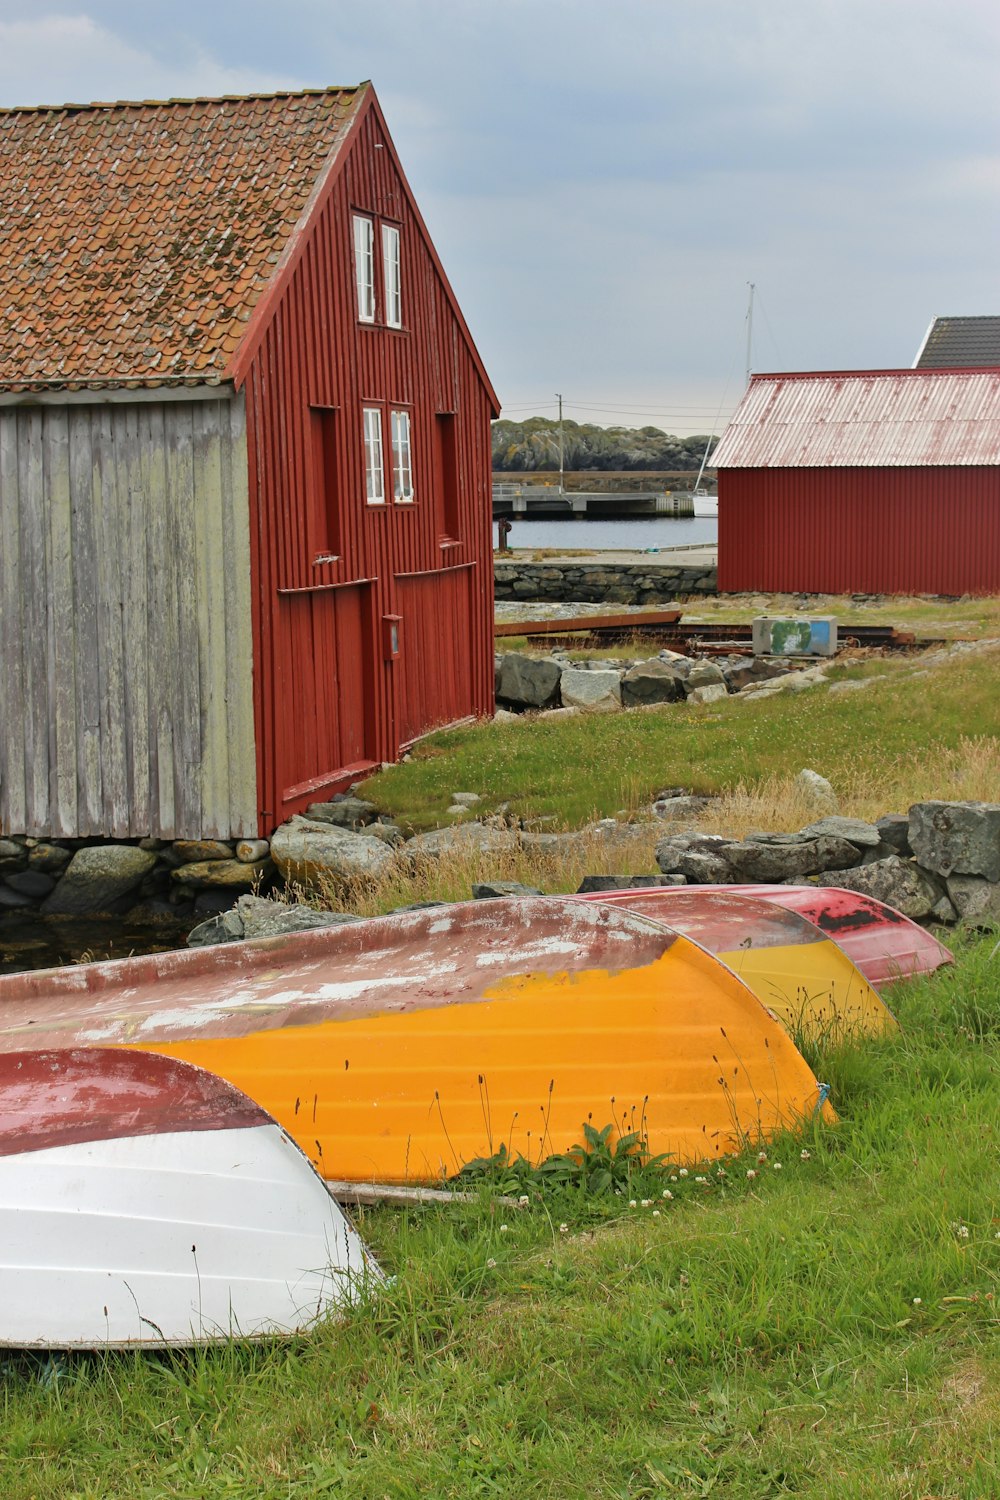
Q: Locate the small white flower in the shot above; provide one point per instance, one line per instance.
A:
(962, 1231)
(673, 1178)
(701, 1179)
(564, 1229)
(491, 1264)
(632, 1203)
(656, 1213)
(762, 1156)
(669, 1195)
(503, 1228)
(751, 1174)
(720, 1172)
(917, 1301)
(776, 1165)
(522, 1202)
(683, 1172)
(804, 1155)
(646, 1203)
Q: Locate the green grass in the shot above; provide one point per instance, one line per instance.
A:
(760, 1337)
(891, 735)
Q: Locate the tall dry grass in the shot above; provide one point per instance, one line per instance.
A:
(966, 772)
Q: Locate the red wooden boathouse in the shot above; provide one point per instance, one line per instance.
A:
(244, 466)
(875, 481)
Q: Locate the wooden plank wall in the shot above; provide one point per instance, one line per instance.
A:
(316, 353)
(125, 648)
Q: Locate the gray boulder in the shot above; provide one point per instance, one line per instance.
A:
(673, 809)
(897, 882)
(226, 927)
(51, 858)
(196, 851)
(586, 689)
(752, 672)
(98, 876)
(526, 682)
(711, 692)
(976, 901)
(33, 883)
(343, 812)
(224, 874)
(494, 890)
(653, 681)
(627, 882)
(864, 835)
(305, 849)
(12, 856)
(704, 674)
(894, 830)
(752, 861)
(957, 838)
(701, 858)
(463, 839)
(817, 791)
(262, 918)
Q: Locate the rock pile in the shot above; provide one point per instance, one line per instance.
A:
(531, 683)
(939, 863)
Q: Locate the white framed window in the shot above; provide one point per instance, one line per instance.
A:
(374, 472)
(364, 267)
(402, 469)
(391, 274)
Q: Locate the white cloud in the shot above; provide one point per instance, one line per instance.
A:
(58, 59)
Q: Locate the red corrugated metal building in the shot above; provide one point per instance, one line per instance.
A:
(875, 481)
(244, 461)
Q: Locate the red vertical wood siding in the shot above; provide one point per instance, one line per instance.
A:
(860, 530)
(328, 701)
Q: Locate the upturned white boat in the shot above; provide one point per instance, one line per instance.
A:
(146, 1201)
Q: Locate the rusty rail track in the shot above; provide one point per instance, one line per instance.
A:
(665, 628)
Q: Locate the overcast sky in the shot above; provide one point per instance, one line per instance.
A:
(602, 178)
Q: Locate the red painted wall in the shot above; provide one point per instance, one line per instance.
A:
(329, 705)
(860, 531)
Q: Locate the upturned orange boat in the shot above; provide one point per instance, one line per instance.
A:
(400, 1048)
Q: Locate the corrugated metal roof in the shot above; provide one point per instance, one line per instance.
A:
(960, 343)
(137, 238)
(878, 418)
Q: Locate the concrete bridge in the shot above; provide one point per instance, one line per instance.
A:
(549, 500)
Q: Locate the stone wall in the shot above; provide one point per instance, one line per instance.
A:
(601, 582)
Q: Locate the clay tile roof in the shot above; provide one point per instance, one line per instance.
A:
(136, 238)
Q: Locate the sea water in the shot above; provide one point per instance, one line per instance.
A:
(636, 535)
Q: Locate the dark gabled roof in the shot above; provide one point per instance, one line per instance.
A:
(136, 239)
(954, 343)
(865, 418)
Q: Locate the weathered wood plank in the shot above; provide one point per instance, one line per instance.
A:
(13, 809)
(162, 609)
(133, 513)
(240, 737)
(87, 675)
(210, 617)
(34, 599)
(63, 645)
(110, 623)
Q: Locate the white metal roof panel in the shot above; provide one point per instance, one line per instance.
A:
(852, 419)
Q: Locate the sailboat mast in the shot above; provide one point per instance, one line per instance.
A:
(750, 284)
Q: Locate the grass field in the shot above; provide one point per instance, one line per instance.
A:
(824, 1328)
(903, 737)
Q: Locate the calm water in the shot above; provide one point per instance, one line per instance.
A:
(638, 534)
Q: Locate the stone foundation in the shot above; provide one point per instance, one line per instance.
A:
(583, 582)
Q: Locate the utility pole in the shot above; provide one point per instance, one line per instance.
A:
(562, 489)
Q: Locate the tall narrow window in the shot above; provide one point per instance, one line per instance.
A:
(374, 475)
(326, 508)
(402, 471)
(390, 268)
(447, 470)
(364, 267)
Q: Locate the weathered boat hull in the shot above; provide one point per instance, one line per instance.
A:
(803, 978)
(400, 1048)
(143, 1201)
(885, 945)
